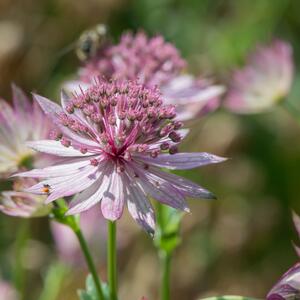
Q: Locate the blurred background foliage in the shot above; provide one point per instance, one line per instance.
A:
(239, 244)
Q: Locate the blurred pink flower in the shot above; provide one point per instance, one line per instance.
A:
(21, 204)
(115, 137)
(265, 80)
(24, 121)
(154, 62)
(7, 292)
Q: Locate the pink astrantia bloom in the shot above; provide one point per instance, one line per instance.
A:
(17, 203)
(154, 62)
(24, 121)
(114, 138)
(264, 81)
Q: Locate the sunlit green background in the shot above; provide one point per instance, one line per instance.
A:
(239, 244)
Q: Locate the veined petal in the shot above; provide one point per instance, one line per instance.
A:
(65, 169)
(67, 185)
(160, 189)
(185, 186)
(181, 161)
(112, 204)
(140, 207)
(56, 148)
(93, 195)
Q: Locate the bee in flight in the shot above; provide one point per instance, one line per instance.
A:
(91, 41)
(46, 188)
(86, 47)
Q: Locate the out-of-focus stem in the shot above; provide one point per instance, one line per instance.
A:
(21, 240)
(112, 260)
(165, 262)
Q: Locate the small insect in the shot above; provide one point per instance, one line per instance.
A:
(46, 188)
(91, 41)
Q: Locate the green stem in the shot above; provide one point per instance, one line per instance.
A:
(59, 214)
(53, 281)
(21, 240)
(165, 261)
(90, 263)
(112, 260)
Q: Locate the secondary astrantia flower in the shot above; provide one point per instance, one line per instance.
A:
(24, 121)
(288, 287)
(21, 204)
(114, 137)
(154, 62)
(265, 80)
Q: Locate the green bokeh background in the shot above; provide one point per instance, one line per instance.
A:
(239, 244)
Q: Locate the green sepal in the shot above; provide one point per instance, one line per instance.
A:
(59, 215)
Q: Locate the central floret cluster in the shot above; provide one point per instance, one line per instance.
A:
(123, 119)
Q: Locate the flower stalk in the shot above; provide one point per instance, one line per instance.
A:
(112, 260)
(166, 240)
(73, 222)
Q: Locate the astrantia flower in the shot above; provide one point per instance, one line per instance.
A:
(265, 80)
(24, 121)
(154, 62)
(114, 138)
(21, 204)
(288, 287)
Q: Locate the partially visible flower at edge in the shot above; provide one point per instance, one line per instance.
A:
(288, 287)
(7, 292)
(114, 138)
(153, 62)
(264, 81)
(24, 121)
(17, 203)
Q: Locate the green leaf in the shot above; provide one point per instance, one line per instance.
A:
(90, 292)
(83, 295)
(90, 285)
